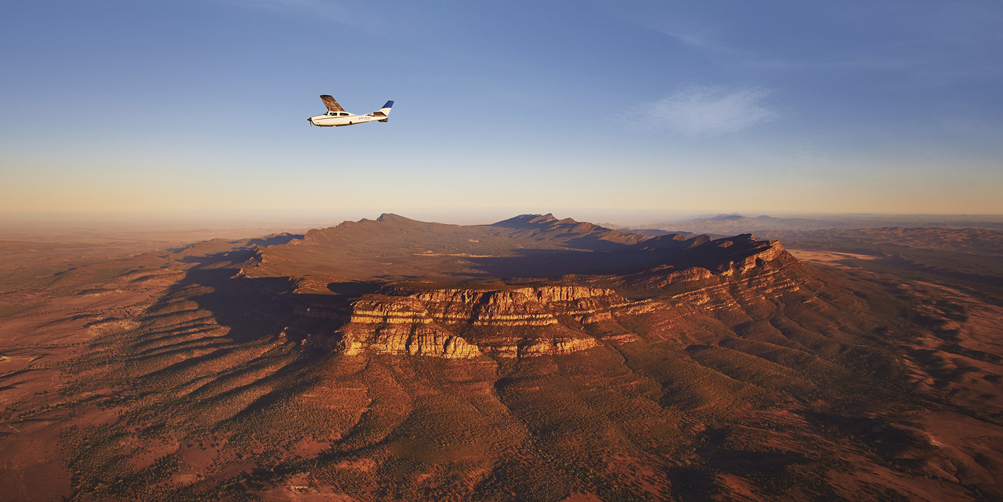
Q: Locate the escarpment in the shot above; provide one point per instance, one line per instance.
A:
(432, 319)
(470, 322)
(531, 285)
(532, 306)
(738, 258)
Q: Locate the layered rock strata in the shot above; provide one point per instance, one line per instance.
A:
(512, 322)
(730, 280)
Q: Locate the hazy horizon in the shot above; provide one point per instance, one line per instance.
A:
(27, 224)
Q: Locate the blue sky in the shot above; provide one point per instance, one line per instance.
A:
(595, 110)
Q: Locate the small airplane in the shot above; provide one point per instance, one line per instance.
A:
(336, 116)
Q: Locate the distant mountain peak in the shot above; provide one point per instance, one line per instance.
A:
(729, 217)
(388, 217)
(531, 220)
(541, 218)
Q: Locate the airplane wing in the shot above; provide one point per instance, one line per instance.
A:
(332, 105)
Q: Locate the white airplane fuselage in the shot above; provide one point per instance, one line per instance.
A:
(337, 119)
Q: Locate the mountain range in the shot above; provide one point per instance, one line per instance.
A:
(730, 224)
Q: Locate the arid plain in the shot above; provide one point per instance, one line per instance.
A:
(531, 359)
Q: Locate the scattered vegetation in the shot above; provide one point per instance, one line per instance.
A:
(769, 384)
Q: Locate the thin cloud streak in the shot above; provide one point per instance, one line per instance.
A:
(711, 110)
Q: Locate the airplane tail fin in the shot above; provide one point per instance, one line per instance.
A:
(384, 111)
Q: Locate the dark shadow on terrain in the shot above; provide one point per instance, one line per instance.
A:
(766, 469)
(988, 280)
(190, 362)
(551, 263)
(654, 232)
(596, 244)
(217, 247)
(952, 310)
(229, 256)
(978, 355)
(271, 240)
(502, 383)
(353, 289)
(297, 371)
(252, 308)
(936, 367)
(874, 434)
(693, 484)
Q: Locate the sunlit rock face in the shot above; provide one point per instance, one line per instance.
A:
(461, 323)
(428, 322)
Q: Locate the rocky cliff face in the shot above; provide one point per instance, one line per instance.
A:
(537, 306)
(468, 322)
(715, 260)
(459, 322)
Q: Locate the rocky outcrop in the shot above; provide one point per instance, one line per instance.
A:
(415, 340)
(726, 279)
(663, 276)
(510, 322)
(530, 306)
(713, 261)
(772, 251)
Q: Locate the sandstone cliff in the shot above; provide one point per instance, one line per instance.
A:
(729, 280)
(514, 322)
